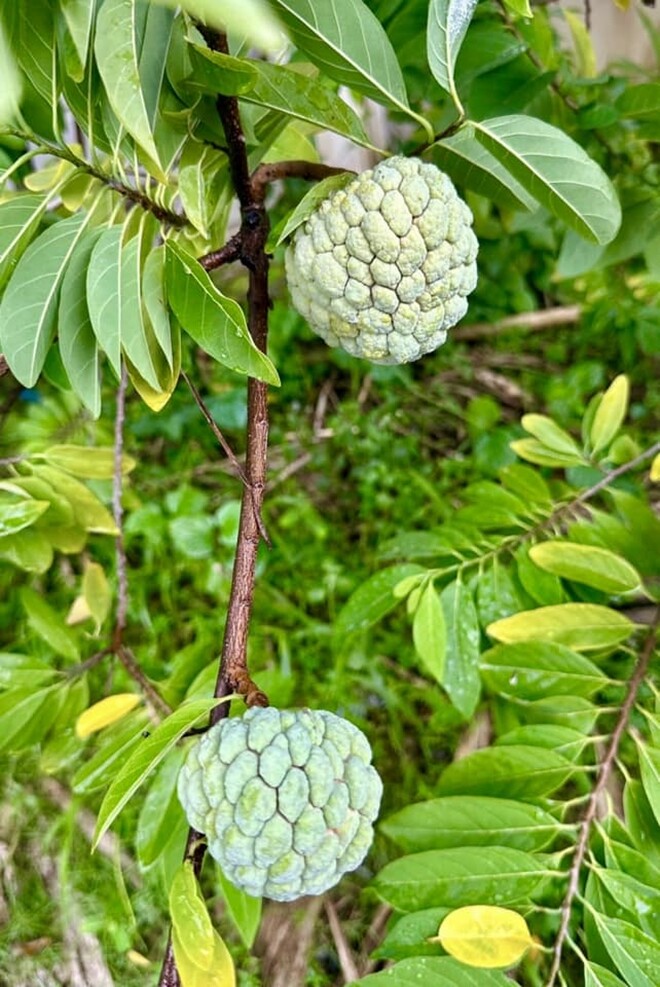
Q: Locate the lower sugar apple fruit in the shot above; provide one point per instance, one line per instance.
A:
(383, 266)
(286, 799)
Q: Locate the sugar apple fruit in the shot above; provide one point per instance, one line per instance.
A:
(286, 799)
(383, 266)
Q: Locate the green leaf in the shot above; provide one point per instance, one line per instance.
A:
(159, 811)
(79, 17)
(641, 102)
(597, 567)
(410, 935)
(519, 8)
(641, 821)
(215, 322)
(19, 220)
(203, 171)
(430, 632)
(548, 432)
(535, 669)
(117, 58)
(15, 515)
(134, 342)
(526, 483)
(349, 44)
(649, 766)
(28, 313)
(104, 293)
(584, 49)
(468, 162)
(536, 452)
(556, 171)
(45, 622)
(518, 771)
(30, 550)
(636, 955)
(543, 587)
(564, 740)
(21, 671)
(461, 676)
(155, 303)
(88, 510)
(312, 199)
(441, 970)
(146, 758)
(373, 599)
(470, 820)
(447, 25)
(458, 876)
(77, 343)
(190, 919)
(251, 19)
(640, 900)
(610, 414)
(116, 744)
(496, 593)
(27, 714)
(277, 87)
(97, 593)
(89, 462)
(243, 909)
(582, 626)
(598, 976)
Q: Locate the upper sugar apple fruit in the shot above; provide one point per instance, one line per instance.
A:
(384, 265)
(286, 799)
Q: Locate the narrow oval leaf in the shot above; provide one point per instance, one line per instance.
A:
(610, 413)
(485, 936)
(556, 171)
(28, 313)
(470, 820)
(114, 748)
(215, 322)
(19, 221)
(469, 163)
(104, 293)
(48, 624)
(244, 910)
(519, 771)
(96, 593)
(582, 626)
(117, 57)
(636, 955)
(443, 971)
(536, 669)
(550, 434)
(430, 632)
(347, 41)
(536, 452)
(89, 462)
(160, 810)
(221, 974)
(649, 766)
(190, 919)
(16, 515)
(76, 340)
(458, 876)
(311, 200)
(106, 712)
(88, 510)
(448, 22)
(374, 598)
(146, 758)
(461, 675)
(597, 567)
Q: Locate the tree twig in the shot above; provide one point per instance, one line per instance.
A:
(596, 795)
(561, 315)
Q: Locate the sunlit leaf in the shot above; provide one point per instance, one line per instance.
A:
(582, 626)
(105, 712)
(485, 936)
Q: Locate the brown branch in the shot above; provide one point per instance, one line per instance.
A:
(225, 255)
(151, 694)
(310, 171)
(562, 315)
(118, 511)
(594, 799)
(233, 675)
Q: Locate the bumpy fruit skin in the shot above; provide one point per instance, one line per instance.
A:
(382, 268)
(286, 799)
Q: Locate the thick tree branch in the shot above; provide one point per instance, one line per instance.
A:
(594, 800)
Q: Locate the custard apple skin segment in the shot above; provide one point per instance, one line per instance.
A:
(285, 798)
(384, 266)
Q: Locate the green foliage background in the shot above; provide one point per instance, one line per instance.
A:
(403, 502)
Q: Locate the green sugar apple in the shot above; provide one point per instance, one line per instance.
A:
(286, 799)
(383, 266)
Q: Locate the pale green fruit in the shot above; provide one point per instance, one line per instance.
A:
(382, 268)
(286, 799)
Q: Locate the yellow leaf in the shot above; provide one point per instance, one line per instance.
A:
(654, 475)
(105, 712)
(220, 974)
(584, 50)
(485, 936)
(79, 612)
(96, 592)
(137, 959)
(202, 958)
(610, 413)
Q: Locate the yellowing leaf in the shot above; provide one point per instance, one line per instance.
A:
(610, 413)
(79, 612)
(105, 712)
(584, 49)
(654, 475)
(137, 959)
(221, 973)
(485, 936)
(581, 626)
(96, 592)
(597, 567)
(202, 958)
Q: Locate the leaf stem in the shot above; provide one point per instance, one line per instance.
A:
(596, 795)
